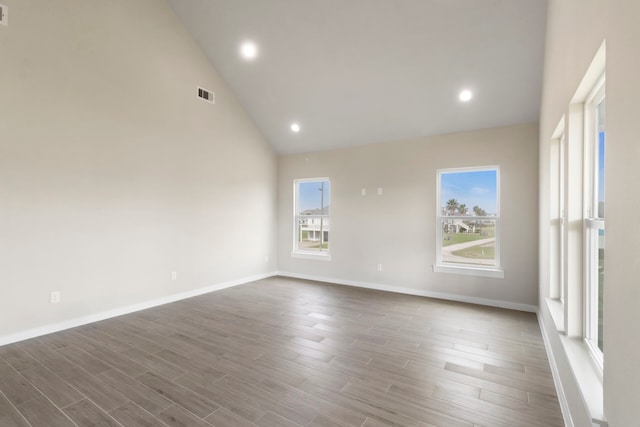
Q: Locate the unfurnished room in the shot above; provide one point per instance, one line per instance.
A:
(319, 213)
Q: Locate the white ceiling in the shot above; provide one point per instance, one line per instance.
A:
(354, 72)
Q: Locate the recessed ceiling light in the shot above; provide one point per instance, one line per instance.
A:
(295, 127)
(465, 95)
(249, 50)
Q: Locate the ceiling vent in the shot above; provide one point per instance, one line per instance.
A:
(207, 95)
(4, 15)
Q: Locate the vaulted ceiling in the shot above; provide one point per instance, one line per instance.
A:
(353, 72)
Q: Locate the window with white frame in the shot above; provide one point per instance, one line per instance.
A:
(576, 245)
(562, 216)
(311, 217)
(594, 218)
(468, 221)
(557, 238)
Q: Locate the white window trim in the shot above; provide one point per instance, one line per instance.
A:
(595, 97)
(569, 318)
(325, 256)
(301, 254)
(591, 221)
(469, 271)
(558, 212)
(493, 271)
(562, 205)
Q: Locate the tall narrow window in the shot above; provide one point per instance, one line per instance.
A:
(311, 222)
(557, 237)
(594, 219)
(562, 219)
(468, 224)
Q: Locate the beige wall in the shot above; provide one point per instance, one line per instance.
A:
(575, 31)
(112, 172)
(622, 270)
(398, 228)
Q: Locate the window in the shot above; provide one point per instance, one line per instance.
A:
(311, 222)
(468, 221)
(562, 244)
(557, 237)
(557, 226)
(594, 218)
(577, 234)
(562, 214)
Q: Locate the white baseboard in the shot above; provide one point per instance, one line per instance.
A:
(79, 321)
(562, 397)
(410, 291)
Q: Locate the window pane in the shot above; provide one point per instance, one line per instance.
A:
(312, 215)
(472, 193)
(600, 151)
(313, 198)
(600, 289)
(595, 241)
(469, 242)
(313, 234)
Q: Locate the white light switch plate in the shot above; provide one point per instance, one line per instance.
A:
(55, 297)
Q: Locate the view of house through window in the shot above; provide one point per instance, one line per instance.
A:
(312, 226)
(468, 217)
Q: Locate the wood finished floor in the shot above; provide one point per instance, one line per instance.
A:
(284, 352)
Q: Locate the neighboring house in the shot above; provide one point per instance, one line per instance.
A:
(457, 226)
(311, 228)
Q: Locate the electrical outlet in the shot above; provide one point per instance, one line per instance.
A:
(174, 275)
(4, 15)
(379, 191)
(55, 297)
(364, 192)
(379, 267)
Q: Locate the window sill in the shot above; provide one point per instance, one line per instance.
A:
(556, 309)
(470, 271)
(587, 375)
(311, 255)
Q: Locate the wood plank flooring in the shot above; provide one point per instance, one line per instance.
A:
(285, 352)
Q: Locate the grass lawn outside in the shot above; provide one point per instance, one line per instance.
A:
(477, 252)
(453, 238)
